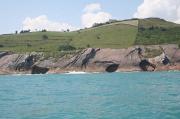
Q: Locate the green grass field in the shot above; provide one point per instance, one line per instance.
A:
(120, 34)
(157, 31)
(107, 36)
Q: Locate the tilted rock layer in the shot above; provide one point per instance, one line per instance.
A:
(95, 60)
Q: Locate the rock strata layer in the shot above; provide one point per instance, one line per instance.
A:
(137, 58)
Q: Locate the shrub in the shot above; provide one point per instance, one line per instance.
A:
(98, 37)
(29, 45)
(66, 47)
(1, 46)
(88, 46)
(151, 28)
(44, 37)
(149, 53)
(163, 29)
(97, 24)
(141, 28)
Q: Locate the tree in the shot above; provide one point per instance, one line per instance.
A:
(25, 31)
(44, 30)
(16, 32)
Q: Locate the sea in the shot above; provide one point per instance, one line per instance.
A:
(127, 95)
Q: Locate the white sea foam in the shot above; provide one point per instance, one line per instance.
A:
(25, 74)
(75, 72)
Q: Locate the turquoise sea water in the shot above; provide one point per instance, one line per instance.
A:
(136, 95)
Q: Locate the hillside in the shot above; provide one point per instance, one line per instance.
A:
(115, 35)
(119, 34)
(154, 31)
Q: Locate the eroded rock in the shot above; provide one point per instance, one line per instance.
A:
(112, 68)
(83, 58)
(145, 64)
(39, 70)
(109, 66)
(94, 59)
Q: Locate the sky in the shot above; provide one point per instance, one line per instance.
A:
(59, 15)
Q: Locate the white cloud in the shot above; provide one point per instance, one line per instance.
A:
(94, 14)
(92, 7)
(167, 9)
(42, 22)
(88, 19)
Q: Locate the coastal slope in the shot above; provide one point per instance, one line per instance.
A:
(95, 60)
(129, 45)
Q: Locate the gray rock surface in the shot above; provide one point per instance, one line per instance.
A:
(91, 59)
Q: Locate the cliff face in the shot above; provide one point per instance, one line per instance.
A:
(138, 58)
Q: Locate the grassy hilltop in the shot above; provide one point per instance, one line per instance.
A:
(118, 34)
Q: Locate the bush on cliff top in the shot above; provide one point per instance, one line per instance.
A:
(66, 47)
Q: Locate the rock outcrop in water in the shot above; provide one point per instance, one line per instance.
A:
(141, 58)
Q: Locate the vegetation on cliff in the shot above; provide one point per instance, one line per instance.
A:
(116, 34)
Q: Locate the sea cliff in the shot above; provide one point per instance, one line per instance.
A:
(137, 58)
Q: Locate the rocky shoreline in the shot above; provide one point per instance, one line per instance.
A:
(137, 58)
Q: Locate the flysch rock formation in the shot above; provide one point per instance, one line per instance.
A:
(137, 58)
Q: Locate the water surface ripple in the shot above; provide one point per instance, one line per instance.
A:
(91, 96)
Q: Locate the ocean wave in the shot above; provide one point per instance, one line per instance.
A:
(81, 72)
(76, 72)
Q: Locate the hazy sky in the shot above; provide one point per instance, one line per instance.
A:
(57, 15)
